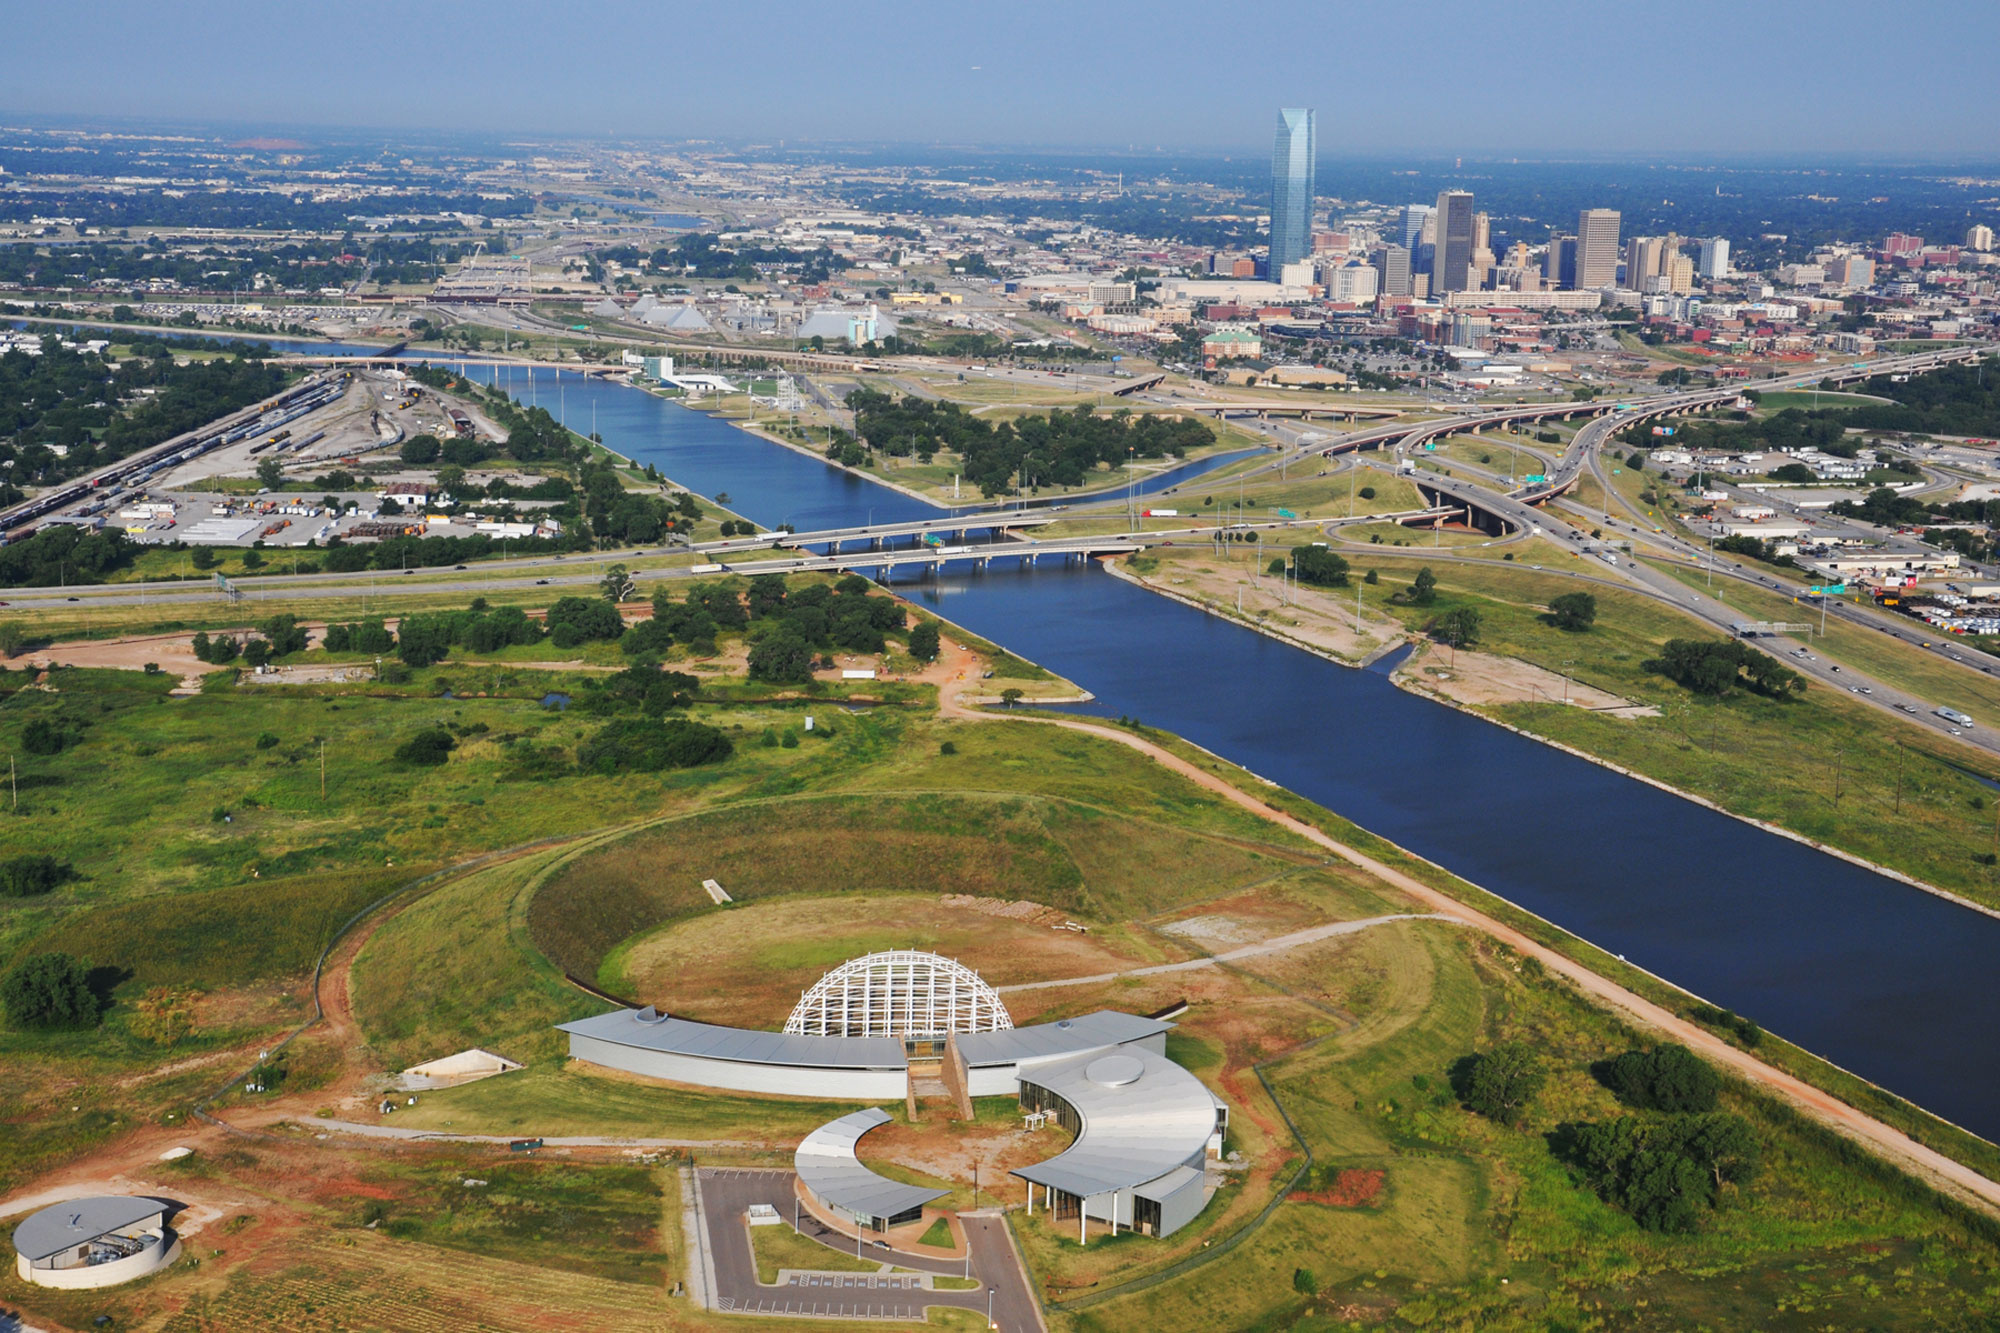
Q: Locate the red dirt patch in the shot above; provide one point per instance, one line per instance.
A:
(1352, 1188)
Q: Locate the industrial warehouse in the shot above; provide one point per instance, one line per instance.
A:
(1143, 1127)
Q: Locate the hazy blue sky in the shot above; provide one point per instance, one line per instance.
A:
(1697, 77)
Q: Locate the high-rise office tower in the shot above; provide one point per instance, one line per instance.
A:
(1291, 189)
(1414, 221)
(1559, 268)
(1393, 263)
(1645, 259)
(1715, 258)
(1451, 269)
(1979, 237)
(1596, 249)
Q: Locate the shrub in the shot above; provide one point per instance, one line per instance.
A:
(643, 745)
(31, 876)
(429, 747)
(266, 739)
(1424, 590)
(41, 736)
(50, 990)
(1367, 492)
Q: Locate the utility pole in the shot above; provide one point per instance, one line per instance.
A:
(322, 770)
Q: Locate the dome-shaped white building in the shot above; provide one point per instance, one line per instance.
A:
(916, 997)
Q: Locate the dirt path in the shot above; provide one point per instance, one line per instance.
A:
(1928, 1164)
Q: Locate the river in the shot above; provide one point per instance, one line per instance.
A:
(1881, 978)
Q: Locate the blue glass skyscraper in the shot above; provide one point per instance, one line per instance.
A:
(1291, 189)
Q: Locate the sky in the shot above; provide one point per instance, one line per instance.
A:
(1544, 78)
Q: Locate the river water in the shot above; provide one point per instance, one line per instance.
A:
(1888, 981)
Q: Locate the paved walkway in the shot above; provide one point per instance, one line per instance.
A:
(572, 1141)
(1276, 944)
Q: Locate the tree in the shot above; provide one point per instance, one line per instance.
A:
(1319, 566)
(1499, 1083)
(1665, 1078)
(31, 876)
(1010, 696)
(575, 620)
(1459, 626)
(50, 990)
(781, 657)
(423, 641)
(1304, 1283)
(1424, 591)
(1665, 1174)
(420, 449)
(428, 748)
(617, 584)
(13, 638)
(202, 558)
(1573, 611)
(924, 641)
(1795, 473)
(270, 473)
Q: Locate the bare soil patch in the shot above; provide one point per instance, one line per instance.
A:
(1485, 678)
(748, 965)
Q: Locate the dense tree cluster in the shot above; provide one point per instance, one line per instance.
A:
(1057, 449)
(65, 553)
(94, 410)
(1667, 1173)
(1953, 401)
(797, 625)
(1717, 666)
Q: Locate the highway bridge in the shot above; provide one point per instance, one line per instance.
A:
(994, 521)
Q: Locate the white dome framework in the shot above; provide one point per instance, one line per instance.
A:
(916, 997)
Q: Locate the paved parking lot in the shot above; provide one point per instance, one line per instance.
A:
(726, 1195)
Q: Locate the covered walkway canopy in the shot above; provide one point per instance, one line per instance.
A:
(836, 1179)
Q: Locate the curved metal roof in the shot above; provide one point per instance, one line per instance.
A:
(1143, 1116)
(73, 1222)
(826, 1163)
(649, 1030)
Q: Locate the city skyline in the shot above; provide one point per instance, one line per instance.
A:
(939, 78)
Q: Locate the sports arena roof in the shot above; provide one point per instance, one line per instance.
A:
(1142, 1115)
(651, 1030)
(77, 1221)
(827, 1165)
